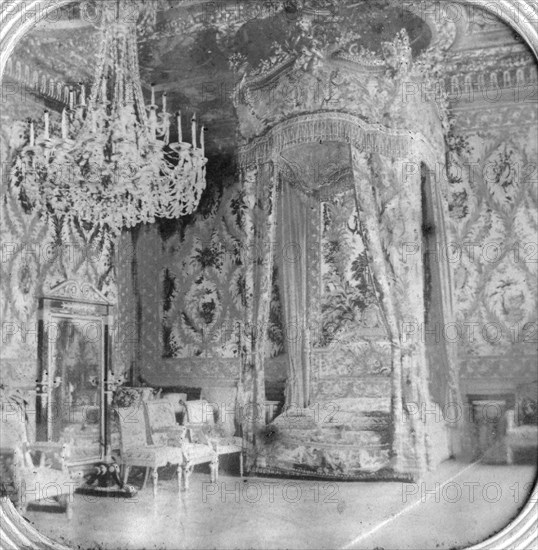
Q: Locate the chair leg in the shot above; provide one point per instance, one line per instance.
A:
(187, 471)
(241, 463)
(179, 478)
(155, 478)
(126, 474)
(146, 476)
(509, 455)
(214, 469)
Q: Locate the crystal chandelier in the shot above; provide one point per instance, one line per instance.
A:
(113, 164)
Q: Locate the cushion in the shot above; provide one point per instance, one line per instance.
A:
(224, 401)
(160, 414)
(200, 412)
(198, 453)
(177, 400)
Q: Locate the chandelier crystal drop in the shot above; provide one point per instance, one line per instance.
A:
(113, 164)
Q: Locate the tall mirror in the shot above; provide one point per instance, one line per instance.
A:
(73, 357)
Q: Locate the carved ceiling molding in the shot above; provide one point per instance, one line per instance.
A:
(520, 15)
(506, 74)
(520, 61)
(227, 17)
(519, 70)
(336, 39)
(17, 17)
(38, 82)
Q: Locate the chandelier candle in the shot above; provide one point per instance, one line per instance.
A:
(194, 130)
(179, 131)
(65, 125)
(153, 120)
(46, 125)
(82, 95)
(166, 122)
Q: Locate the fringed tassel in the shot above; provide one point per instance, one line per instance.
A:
(313, 128)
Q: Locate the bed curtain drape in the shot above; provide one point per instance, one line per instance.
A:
(389, 210)
(389, 207)
(294, 230)
(260, 202)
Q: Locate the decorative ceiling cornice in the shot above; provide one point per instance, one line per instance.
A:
(226, 17)
(39, 83)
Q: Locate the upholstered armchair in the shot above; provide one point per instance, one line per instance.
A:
(165, 430)
(138, 450)
(200, 419)
(519, 437)
(39, 470)
(522, 422)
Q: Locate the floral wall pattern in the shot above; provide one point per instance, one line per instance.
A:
(202, 281)
(203, 285)
(493, 226)
(38, 254)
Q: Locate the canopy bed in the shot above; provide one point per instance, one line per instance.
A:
(356, 377)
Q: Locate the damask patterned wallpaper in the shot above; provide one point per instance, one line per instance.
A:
(494, 218)
(36, 255)
(191, 285)
(202, 283)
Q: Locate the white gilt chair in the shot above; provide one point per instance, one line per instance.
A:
(165, 430)
(201, 419)
(39, 469)
(136, 451)
(519, 437)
